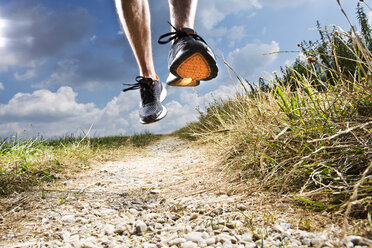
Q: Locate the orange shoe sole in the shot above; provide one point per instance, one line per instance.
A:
(185, 82)
(195, 67)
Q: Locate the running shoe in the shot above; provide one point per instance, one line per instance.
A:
(190, 58)
(152, 93)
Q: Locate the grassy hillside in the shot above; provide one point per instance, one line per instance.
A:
(306, 135)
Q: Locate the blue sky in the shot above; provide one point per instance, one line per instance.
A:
(62, 63)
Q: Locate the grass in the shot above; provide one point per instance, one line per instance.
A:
(310, 140)
(26, 163)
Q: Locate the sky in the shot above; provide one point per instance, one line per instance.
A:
(63, 63)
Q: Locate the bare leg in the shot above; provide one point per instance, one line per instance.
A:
(182, 13)
(135, 18)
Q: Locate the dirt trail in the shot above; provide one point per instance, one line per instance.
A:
(170, 194)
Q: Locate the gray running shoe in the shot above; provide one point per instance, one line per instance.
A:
(152, 93)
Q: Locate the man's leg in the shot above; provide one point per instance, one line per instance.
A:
(135, 18)
(182, 13)
(190, 59)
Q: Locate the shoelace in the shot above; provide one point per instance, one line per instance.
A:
(146, 85)
(179, 33)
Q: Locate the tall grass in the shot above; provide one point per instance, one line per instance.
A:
(311, 139)
(26, 163)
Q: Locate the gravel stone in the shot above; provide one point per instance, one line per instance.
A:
(211, 241)
(133, 211)
(189, 244)
(155, 191)
(120, 229)
(109, 229)
(356, 240)
(68, 219)
(149, 245)
(224, 238)
(177, 241)
(195, 237)
(141, 227)
(194, 216)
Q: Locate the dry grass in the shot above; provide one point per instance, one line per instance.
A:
(310, 141)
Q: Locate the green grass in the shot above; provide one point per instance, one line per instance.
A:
(27, 163)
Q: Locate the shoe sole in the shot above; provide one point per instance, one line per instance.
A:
(163, 113)
(185, 82)
(193, 66)
(161, 116)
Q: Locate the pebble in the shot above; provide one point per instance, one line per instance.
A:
(189, 244)
(356, 240)
(64, 235)
(141, 227)
(241, 207)
(194, 216)
(109, 229)
(149, 245)
(68, 218)
(177, 241)
(210, 241)
(133, 211)
(195, 237)
(155, 191)
(247, 237)
(120, 229)
(224, 238)
(88, 244)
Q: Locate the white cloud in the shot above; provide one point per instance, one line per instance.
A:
(237, 33)
(250, 58)
(1, 86)
(277, 4)
(59, 113)
(212, 12)
(44, 105)
(49, 113)
(27, 75)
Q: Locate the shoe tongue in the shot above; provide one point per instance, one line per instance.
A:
(147, 81)
(188, 30)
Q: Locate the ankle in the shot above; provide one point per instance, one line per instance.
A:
(153, 77)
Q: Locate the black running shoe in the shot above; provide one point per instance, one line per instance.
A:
(153, 93)
(190, 58)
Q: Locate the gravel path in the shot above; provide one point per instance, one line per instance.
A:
(168, 195)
